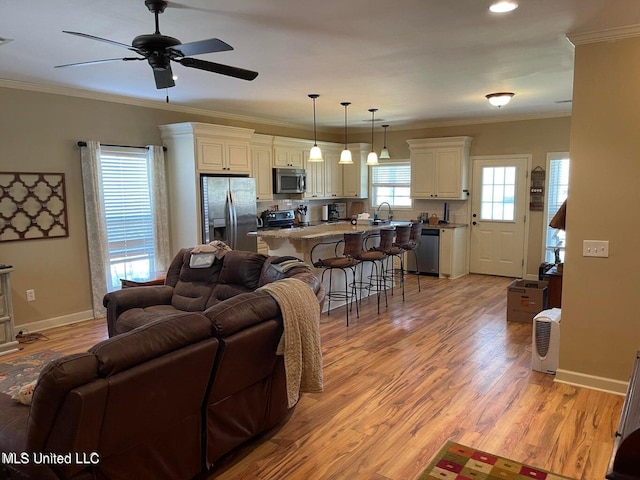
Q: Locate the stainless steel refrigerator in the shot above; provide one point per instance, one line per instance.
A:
(229, 211)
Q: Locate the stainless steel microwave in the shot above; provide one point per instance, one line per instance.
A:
(289, 180)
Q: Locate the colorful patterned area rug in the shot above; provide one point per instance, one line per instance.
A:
(457, 462)
(21, 371)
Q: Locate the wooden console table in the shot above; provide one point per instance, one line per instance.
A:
(554, 298)
(8, 341)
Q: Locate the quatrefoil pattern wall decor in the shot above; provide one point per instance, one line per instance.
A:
(32, 206)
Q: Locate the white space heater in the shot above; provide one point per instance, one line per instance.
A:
(546, 341)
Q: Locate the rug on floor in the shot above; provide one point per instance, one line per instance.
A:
(18, 372)
(458, 462)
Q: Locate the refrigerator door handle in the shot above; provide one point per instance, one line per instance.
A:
(233, 220)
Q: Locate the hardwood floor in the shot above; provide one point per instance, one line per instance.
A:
(442, 365)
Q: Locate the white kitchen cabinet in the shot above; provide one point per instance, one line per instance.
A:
(289, 152)
(440, 167)
(223, 156)
(355, 177)
(194, 149)
(332, 171)
(261, 168)
(453, 252)
(315, 178)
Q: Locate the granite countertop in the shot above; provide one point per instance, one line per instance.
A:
(444, 225)
(325, 230)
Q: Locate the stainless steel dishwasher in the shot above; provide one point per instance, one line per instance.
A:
(428, 253)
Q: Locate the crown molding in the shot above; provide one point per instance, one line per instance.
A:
(108, 97)
(615, 33)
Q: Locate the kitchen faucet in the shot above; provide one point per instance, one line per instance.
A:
(389, 215)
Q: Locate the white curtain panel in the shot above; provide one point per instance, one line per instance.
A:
(97, 242)
(160, 204)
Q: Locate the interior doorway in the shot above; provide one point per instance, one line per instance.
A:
(499, 215)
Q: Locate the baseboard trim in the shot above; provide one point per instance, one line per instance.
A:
(593, 382)
(55, 322)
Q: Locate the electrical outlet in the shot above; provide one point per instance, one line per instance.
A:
(595, 248)
(31, 295)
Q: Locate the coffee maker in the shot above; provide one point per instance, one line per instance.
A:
(334, 212)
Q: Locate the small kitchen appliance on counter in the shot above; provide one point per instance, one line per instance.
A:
(337, 211)
(277, 218)
(302, 215)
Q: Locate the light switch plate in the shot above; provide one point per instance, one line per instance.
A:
(595, 248)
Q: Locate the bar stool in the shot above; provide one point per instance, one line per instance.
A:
(351, 245)
(412, 245)
(376, 256)
(403, 232)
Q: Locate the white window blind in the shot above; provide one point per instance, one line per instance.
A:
(391, 182)
(557, 190)
(128, 212)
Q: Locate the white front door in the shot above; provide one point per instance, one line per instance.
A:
(498, 214)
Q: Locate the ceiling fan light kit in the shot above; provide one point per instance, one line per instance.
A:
(499, 99)
(315, 154)
(159, 50)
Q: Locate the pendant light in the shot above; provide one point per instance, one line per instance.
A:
(372, 158)
(345, 156)
(384, 154)
(315, 155)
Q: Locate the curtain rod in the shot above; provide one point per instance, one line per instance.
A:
(84, 144)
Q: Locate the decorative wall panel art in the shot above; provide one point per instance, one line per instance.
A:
(32, 206)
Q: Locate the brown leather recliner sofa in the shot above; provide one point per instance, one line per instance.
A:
(171, 395)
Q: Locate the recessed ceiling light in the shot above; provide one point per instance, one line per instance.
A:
(503, 6)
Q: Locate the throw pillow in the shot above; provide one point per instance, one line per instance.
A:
(25, 393)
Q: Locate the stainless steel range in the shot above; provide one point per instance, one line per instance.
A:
(277, 218)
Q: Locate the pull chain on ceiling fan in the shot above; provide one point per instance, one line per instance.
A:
(159, 50)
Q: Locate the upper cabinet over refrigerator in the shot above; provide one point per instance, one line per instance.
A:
(195, 149)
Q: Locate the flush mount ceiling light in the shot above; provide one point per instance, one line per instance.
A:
(499, 99)
(503, 6)
(384, 154)
(372, 158)
(315, 155)
(345, 156)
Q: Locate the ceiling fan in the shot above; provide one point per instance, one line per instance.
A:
(159, 50)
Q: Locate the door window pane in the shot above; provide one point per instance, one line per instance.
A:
(498, 194)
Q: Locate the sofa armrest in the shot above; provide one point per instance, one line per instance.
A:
(240, 312)
(134, 297)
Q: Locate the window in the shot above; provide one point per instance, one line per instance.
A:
(391, 182)
(497, 202)
(128, 214)
(557, 189)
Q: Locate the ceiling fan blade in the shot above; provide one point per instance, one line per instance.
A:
(210, 45)
(105, 40)
(218, 68)
(93, 62)
(164, 78)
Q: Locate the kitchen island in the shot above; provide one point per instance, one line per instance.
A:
(299, 241)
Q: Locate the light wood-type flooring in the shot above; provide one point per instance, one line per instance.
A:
(443, 364)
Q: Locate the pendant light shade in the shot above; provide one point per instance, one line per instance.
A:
(315, 155)
(372, 158)
(345, 156)
(384, 154)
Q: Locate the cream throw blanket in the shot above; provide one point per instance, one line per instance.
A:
(300, 341)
